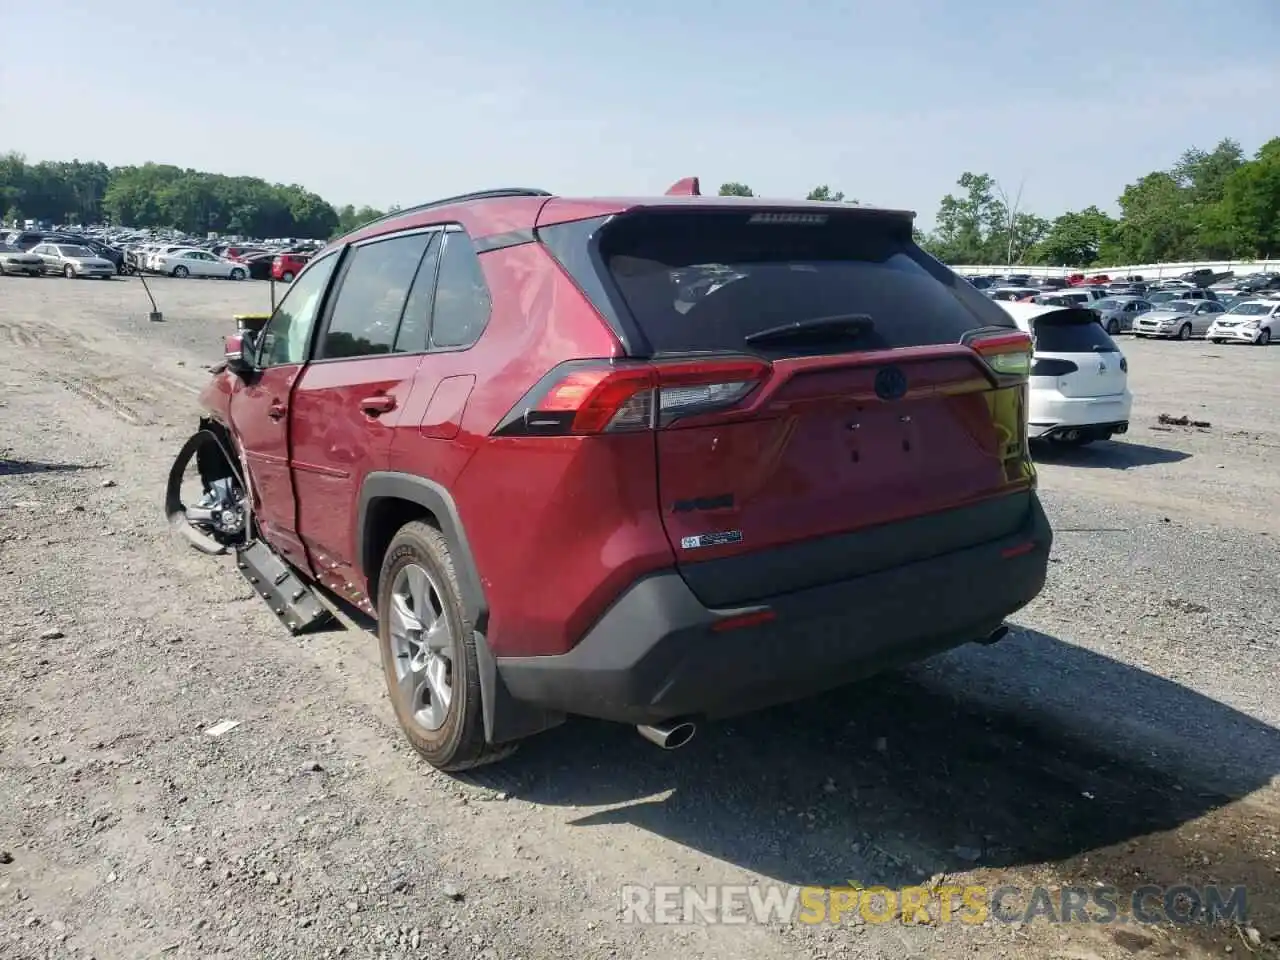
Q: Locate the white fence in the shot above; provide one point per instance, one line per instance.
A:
(1148, 270)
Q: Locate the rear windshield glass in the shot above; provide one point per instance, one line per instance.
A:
(705, 281)
(1063, 335)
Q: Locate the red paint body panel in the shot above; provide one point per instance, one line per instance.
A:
(336, 444)
(264, 441)
(817, 453)
(215, 398)
(539, 317)
(559, 526)
(443, 418)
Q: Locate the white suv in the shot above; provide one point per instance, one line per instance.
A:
(1079, 384)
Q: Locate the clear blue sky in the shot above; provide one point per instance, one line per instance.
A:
(396, 101)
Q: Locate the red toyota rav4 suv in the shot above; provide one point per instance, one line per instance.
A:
(647, 460)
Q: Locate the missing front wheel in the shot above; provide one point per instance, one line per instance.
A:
(208, 505)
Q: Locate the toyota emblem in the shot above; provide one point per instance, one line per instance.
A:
(891, 383)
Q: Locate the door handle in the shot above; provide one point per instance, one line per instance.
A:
(379, 404)
(276, 410)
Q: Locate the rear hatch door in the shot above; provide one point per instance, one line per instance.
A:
(1077, 336)
(868, 446)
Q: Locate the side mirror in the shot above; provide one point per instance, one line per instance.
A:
(236, 351)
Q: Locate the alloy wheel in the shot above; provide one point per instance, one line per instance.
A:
(422, 643)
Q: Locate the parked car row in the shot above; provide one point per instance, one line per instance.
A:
(173, 253)
(189, 262)
(1244, 311)
(180, 256)
(71, 260)
(26, 240)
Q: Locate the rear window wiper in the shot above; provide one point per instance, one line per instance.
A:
(819, 328)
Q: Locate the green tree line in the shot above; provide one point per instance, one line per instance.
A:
(1211, 205)
(161, 195)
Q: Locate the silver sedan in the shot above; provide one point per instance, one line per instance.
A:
(73, 261)
(1183, 319)
(13, 260)
(1116, 314)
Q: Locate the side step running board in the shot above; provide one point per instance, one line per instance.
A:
(274, 581)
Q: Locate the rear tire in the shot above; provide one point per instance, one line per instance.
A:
(1113, 328)
(181, 272)
(1184, 333)
(237, 274)
(1217, 339)
(457, 742)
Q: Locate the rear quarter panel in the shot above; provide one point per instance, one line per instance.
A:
(557, 526)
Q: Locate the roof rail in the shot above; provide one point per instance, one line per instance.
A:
(461, 198)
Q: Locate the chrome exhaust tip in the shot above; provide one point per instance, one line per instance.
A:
(670, 734)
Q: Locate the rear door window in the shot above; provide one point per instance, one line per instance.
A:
(705, 281)
(1071, 335)
(371, 297)
(460, 310)
(416, 321)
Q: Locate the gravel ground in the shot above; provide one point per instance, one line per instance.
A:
(1127, 733)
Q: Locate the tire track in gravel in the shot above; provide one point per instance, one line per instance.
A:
(99, 392)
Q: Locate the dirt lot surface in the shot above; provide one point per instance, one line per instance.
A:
(1127, 734)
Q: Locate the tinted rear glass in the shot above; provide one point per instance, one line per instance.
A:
(705, 281)
(1055, 335)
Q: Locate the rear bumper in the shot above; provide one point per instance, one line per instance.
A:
(654, 655)
(1050, 413)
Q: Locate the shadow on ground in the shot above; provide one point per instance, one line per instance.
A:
(1033, 750)
(1107, 454)
(17, 468)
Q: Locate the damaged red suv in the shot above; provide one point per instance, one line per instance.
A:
(650, 460)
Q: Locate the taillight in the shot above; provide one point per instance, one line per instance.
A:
(1049, 367)
(1008, 354)
(584, 397)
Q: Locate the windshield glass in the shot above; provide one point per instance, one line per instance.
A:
(75, 251)
(1251, 309)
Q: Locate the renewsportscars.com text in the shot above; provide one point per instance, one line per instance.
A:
(970, 904)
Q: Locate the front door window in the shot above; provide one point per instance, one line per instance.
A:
(287, 334)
